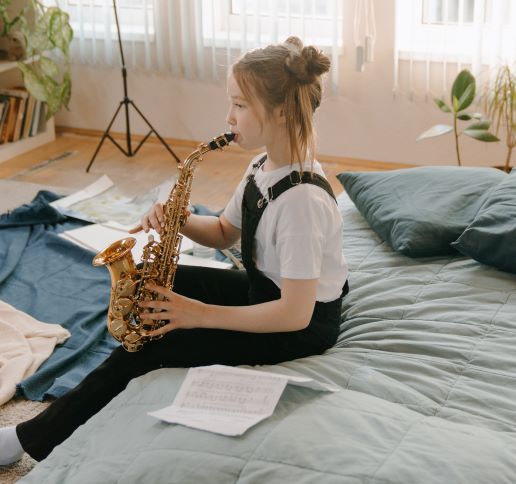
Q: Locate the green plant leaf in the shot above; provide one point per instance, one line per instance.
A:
(455, 104)
(442, 105)
(467, 97)
(465, 117)
(47, 34)
(460, 86)
(32, 82)
(48, 67)
(480, 125)
(66, 90)
(481, 135)
(58, 33)
(437, 130)
(39, 42)
(53, 102)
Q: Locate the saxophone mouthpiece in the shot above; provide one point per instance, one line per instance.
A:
(221, 141)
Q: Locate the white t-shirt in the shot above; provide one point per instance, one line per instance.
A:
(299, 235)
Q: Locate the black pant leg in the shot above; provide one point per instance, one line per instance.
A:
(224, 287)
(41, 434)
(58, 421)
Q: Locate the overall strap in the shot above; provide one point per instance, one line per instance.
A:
(293, 179)
(256, 166)
(261, 288)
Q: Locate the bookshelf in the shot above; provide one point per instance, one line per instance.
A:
(10, 75)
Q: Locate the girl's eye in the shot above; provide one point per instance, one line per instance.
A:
(238, 105)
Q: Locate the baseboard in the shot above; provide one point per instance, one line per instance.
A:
(186, 143)
(174, 142)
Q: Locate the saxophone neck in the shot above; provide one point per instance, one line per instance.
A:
(217, 143)
(194, 158)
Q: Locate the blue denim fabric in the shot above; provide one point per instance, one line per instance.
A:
(37, 212)
(54, 281)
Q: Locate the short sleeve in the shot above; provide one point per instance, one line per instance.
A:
(302, 227)
(233, 210)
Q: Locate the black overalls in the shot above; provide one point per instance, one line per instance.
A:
(194, 347)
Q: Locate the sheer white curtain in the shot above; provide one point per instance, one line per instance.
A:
(435, 39)
(198, 39)
(364, 33)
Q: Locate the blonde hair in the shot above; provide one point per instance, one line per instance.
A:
(286, 75)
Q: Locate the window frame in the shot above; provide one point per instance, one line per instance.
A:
(453, 42)
(128, 32)
(217, 34)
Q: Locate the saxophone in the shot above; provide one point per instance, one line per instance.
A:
(159, 259)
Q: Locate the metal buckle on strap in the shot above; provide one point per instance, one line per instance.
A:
(298, 176)
(261, 202)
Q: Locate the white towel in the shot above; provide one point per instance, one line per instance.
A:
(25, 343)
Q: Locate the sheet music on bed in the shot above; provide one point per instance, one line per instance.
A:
(102, 202)
(228, 400)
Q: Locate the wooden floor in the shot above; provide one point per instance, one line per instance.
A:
(63, 164)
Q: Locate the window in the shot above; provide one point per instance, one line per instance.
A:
(451, 29)
(247, 23)
(91, 17)
(450, 12)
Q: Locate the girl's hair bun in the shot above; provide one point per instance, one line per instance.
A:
(305, 64)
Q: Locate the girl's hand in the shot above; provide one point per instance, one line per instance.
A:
(153, 219)
(180, 311)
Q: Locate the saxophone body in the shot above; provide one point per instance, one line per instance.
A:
(159, 259)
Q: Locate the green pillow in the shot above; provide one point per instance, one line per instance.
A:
(491, 236)
(420, 211)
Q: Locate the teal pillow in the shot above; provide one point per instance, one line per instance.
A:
(491, 236)
(420, 211)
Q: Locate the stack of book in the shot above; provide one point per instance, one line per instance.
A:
(21, 115)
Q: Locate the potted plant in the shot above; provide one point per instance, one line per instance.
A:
(462, 96)
(500, 105)
(46, 34)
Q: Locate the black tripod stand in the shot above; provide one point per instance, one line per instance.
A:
(126, 102)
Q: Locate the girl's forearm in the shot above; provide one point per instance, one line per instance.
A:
(270, 317)
(205, 230)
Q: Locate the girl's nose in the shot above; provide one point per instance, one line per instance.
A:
(230, 119)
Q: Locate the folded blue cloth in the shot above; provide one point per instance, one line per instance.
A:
(39, 211)
(54, 281)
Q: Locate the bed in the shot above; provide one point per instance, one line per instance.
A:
(425, 362)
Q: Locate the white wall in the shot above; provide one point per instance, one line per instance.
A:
(364, 121)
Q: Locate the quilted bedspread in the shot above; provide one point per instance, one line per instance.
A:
(426, 363)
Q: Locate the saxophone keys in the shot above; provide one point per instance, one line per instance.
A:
(117, 328)
(148, 324)
(122, 307)
(125, 287)
(133, 342)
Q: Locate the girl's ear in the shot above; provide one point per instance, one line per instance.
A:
(280, 115)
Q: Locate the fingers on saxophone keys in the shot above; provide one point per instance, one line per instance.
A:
(159, 213)
(163, 330)
(160, 290)
(155, 315)
(145, 223)
(155, 223)
(155, 305)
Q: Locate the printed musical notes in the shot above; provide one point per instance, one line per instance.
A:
(228, 400)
